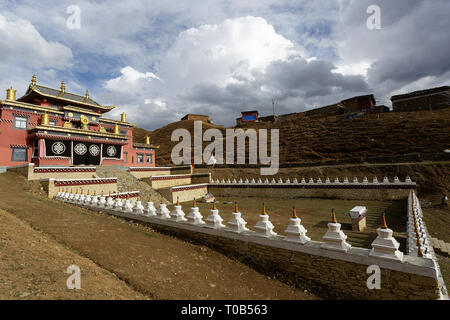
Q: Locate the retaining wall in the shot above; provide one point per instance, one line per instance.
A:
(313, 189)
(37, 173)
(97, 185)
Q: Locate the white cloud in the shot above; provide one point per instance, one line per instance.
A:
(131, 81)
(23, 44)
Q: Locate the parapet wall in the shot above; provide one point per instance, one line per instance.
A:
(343, 272)
(188, 192)
(146, 172)
(334, 274)
(97, 185)
(289, 189)
(37, 173)
(166, 181)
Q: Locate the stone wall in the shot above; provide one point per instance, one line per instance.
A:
(37, 173)
(97, 185)
(290, 189)
(161, 182)
(330, 274)
(188, 193)
(146, 172)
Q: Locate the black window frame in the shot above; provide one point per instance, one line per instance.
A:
(147, 156)
(137, 158)
(19, 148)
(35, 153)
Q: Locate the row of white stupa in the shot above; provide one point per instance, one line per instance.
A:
(417, 229)
(311, 181)
(384, 246)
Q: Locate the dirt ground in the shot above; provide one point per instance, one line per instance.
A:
(33, 266)
(153, 265)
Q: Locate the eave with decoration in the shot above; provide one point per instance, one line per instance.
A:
(50, 126)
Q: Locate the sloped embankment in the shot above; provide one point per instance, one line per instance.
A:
(127, 182)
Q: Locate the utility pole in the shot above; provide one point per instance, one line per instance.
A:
(273, 107)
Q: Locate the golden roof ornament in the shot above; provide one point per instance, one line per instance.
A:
(236, 209)
(87, 94)
(33, 80)
(294, 213)
(10, 94)
(147, 140)
(63, 86)
(123, 117)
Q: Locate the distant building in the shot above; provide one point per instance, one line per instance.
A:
(360, 103)
(198, 117)
(248, 116)
(430, 99)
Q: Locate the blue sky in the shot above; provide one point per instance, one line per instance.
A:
(158, 60)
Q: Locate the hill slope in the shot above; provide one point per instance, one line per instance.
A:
(304, 140)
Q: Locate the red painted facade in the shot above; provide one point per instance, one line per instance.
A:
(50, 127)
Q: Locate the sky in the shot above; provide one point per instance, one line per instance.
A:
(159, 60)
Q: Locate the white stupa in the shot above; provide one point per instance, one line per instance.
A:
(214, 220)
(109, 202)
(94, 201)
(295, 232)
(264, 228)
(162, 212)
(87, 200)
(127, 206)
(150, 210)
(385, 246)
(194, 216)
(334, 239)
(118, 204)
(177, 213)
(138, 208)
(102, 202)
(237, 223)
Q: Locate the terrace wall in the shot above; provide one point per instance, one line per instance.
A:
(37, 173)
(330, 190)
(331, 274)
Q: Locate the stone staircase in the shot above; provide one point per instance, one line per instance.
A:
(440, 247)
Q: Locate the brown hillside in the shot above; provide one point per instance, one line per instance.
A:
(162, 138)
(305, 139)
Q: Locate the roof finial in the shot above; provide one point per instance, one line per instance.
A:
(383, 222)
(178, 201)
(194, 204)
(264, 212)
(63, 86)
(294, 213)
(87, 94)
(214, 205)
(333, 216)
(236, 209)
(33, 80)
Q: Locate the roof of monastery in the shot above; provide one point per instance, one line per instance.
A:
(62, 95)
(420, 92)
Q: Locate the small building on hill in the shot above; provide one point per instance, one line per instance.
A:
(430, 99)
(359, 103)
(197, 117)
(248, 116)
